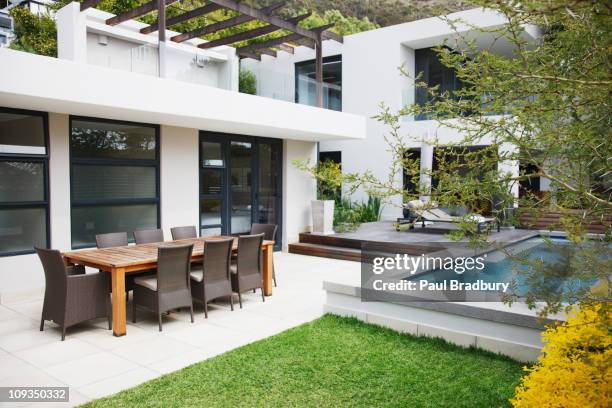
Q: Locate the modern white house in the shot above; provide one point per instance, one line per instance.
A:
(107, 137)
(364, 71)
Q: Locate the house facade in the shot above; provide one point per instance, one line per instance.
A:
(108, 138)
(363, 72)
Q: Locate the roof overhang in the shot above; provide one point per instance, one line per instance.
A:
(55, 85)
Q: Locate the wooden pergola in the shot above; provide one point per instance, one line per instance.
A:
(312, 38)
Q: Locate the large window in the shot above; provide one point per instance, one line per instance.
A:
(306, 84)
(434, 73)
(114, 178)
(24, 194)
(240, 183)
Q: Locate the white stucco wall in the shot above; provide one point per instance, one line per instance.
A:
(179, 178)
(299, 189)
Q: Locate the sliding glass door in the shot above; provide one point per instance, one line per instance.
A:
(240, 183)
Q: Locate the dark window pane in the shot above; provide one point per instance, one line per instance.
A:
(306, 86)
(113, 182)
(211, 212)
(211, 181)
(88, 221)
(22, 229)
(241, 167)
(22, 134)
(211, 154)
(268, 183)
(22, 181)
(112, 140)
(207, 232)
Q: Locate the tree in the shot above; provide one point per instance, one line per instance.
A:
(545, 106)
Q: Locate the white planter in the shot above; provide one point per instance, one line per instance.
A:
(323, 216)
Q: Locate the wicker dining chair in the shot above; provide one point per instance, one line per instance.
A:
(184, 232)
(269, 231)
(150, 236)
(246, 273)
(71, 295)
(170, 289)
(212, 280)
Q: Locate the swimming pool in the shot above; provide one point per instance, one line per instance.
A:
(504, 266)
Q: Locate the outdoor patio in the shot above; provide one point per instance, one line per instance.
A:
(94, 363)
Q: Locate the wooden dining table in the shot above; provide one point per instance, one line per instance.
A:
(119, 261)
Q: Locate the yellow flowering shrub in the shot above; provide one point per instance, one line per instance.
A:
(575, 369)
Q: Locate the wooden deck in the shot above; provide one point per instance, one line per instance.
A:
(347, 245)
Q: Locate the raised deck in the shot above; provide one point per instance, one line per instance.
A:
(347, 245)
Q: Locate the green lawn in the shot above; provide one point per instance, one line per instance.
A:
(335, 362)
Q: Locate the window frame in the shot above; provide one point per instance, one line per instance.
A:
(119, 162)
(31, 158)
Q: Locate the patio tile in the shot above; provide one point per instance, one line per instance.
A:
(105, 340)
(210, 337)
(32, 309)
(90, 369)
(178, 362)
(27, 337)
(6, 313)
(11, 366)
(57, 352)
(252, 323)
(152, 349)
(118, 383)
(16, 323)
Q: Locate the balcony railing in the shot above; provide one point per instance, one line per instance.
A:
(412, 95)
(282, 86)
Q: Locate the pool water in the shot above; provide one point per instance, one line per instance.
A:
(499, 268)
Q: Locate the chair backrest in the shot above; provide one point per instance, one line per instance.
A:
(217, 258)
(113, 239)
(173, 266)
(149, 236)
(184, 232)
(249, 254)
(55, 271)
(269, 231)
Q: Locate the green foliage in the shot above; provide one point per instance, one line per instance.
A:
(343, 25)
(34, 33)
(334, 362)
(247, 82)
(381, 12)
(349, 215)
(327, 174)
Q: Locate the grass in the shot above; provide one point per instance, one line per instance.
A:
(335, 362)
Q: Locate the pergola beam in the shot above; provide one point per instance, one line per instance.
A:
(287, 48)
(246, 35)
(274, 42)
(221, 25)
(200, 11)
(306, 42)
(135, 12)
(89, 3)
(267, 18)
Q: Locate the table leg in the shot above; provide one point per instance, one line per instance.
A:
(118, 297)
(267, 269)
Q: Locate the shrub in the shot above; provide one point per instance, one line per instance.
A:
(575, 367)
(34, 33)
(247, 82)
